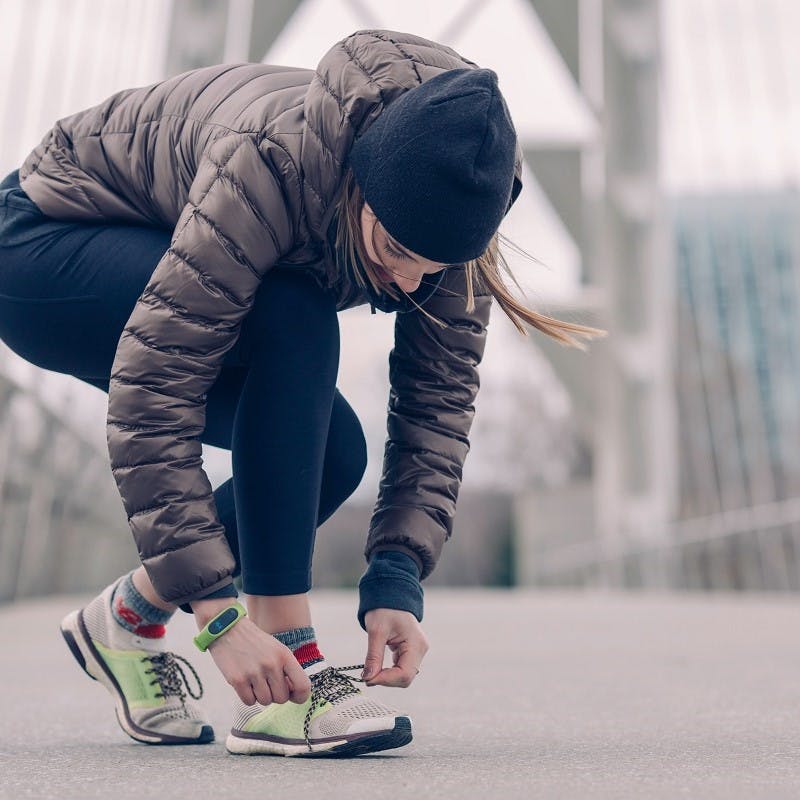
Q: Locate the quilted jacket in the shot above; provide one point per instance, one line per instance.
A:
(243, 163)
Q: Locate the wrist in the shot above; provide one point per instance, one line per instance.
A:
(206, 610)
(219, 625)
(390, 582)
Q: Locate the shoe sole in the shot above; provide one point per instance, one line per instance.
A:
(252, 744)
(73, 629)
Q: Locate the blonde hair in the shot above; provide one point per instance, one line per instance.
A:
(483, 272)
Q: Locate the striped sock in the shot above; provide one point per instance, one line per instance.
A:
(303, 643)
(137, 614)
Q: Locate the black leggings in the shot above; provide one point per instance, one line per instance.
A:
(297, 447)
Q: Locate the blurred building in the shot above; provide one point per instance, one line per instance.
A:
(738, 384)
(660, 139)
(729, 120)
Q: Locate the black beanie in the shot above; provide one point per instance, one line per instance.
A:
(437, 165)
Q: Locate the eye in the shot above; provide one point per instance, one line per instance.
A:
(394, 253)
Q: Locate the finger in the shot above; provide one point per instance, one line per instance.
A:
(393, 676)
(298, 680)
(376, 646)
(407, 661)
(261, 690)
(245, 692)
(278, 687)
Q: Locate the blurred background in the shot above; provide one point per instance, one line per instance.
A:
(660, 202)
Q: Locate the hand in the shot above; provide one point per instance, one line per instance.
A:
(405, 638)
(259, 667)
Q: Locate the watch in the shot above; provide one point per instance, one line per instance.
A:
(220, 624)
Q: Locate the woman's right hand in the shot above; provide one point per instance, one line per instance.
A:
(259, 667)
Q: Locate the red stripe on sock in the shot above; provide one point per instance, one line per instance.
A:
(128, 614)
(307, 652)
(151, 631)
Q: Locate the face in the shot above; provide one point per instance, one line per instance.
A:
(401, 266)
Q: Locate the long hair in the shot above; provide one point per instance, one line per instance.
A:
(482, 272)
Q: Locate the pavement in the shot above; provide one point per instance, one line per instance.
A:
(523, 694)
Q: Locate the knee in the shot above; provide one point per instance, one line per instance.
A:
(291, 305)
(350, 463)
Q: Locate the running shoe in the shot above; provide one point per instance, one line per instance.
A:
(338, 719)
(145, 681)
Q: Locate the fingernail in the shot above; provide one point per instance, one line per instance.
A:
(366, 674)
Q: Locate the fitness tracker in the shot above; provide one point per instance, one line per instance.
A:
(220, 624)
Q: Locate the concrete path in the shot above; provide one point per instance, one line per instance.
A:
(524, 694)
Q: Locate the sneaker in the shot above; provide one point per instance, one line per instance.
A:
(337, 720)
(145, 681)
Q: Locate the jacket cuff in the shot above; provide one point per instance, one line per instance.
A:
(229, 590)
(400, 548)
(390, 581)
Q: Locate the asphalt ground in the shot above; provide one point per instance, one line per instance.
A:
(523, 694)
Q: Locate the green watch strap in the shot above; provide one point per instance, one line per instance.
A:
(220, 624)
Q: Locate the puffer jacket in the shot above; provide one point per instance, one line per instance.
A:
(243, 162)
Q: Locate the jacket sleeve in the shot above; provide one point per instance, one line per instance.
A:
(232, 230)
(433, 377)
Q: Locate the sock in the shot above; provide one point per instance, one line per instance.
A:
(137, 614)
(303, 643)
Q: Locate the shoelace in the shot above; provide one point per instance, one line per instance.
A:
(170, 675)
(331, 685)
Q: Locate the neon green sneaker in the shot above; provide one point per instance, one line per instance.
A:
(337, 720)
(145, 681)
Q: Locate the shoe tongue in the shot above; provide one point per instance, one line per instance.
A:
(313, 669)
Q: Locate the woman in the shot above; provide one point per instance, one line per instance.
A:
(186, 247)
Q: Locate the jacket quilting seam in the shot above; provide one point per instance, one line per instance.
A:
(307, 182)
(224, 164)
(117, 378)
(231, 248)
(414, 61)
(175, 351)
(182, 312)
(185, 544)
(415, 507)
(352, 56)
(150, 463)
(76, 184)
(176, 233)
(140, 511)
(438, 47)
(206, 279)
(329, 89)
(128, 426)
(322, 142)
(194, 120)
(291, 162)
(444, 433)
(239, 188)
(233, 91)
(284, 111)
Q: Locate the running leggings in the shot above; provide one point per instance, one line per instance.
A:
(297, 447)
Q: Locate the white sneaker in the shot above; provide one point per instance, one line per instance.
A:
(144, 680)
(337, 720)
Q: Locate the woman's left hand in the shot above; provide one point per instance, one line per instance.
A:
(404, 637)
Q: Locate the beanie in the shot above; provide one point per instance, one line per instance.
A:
(437, 165)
